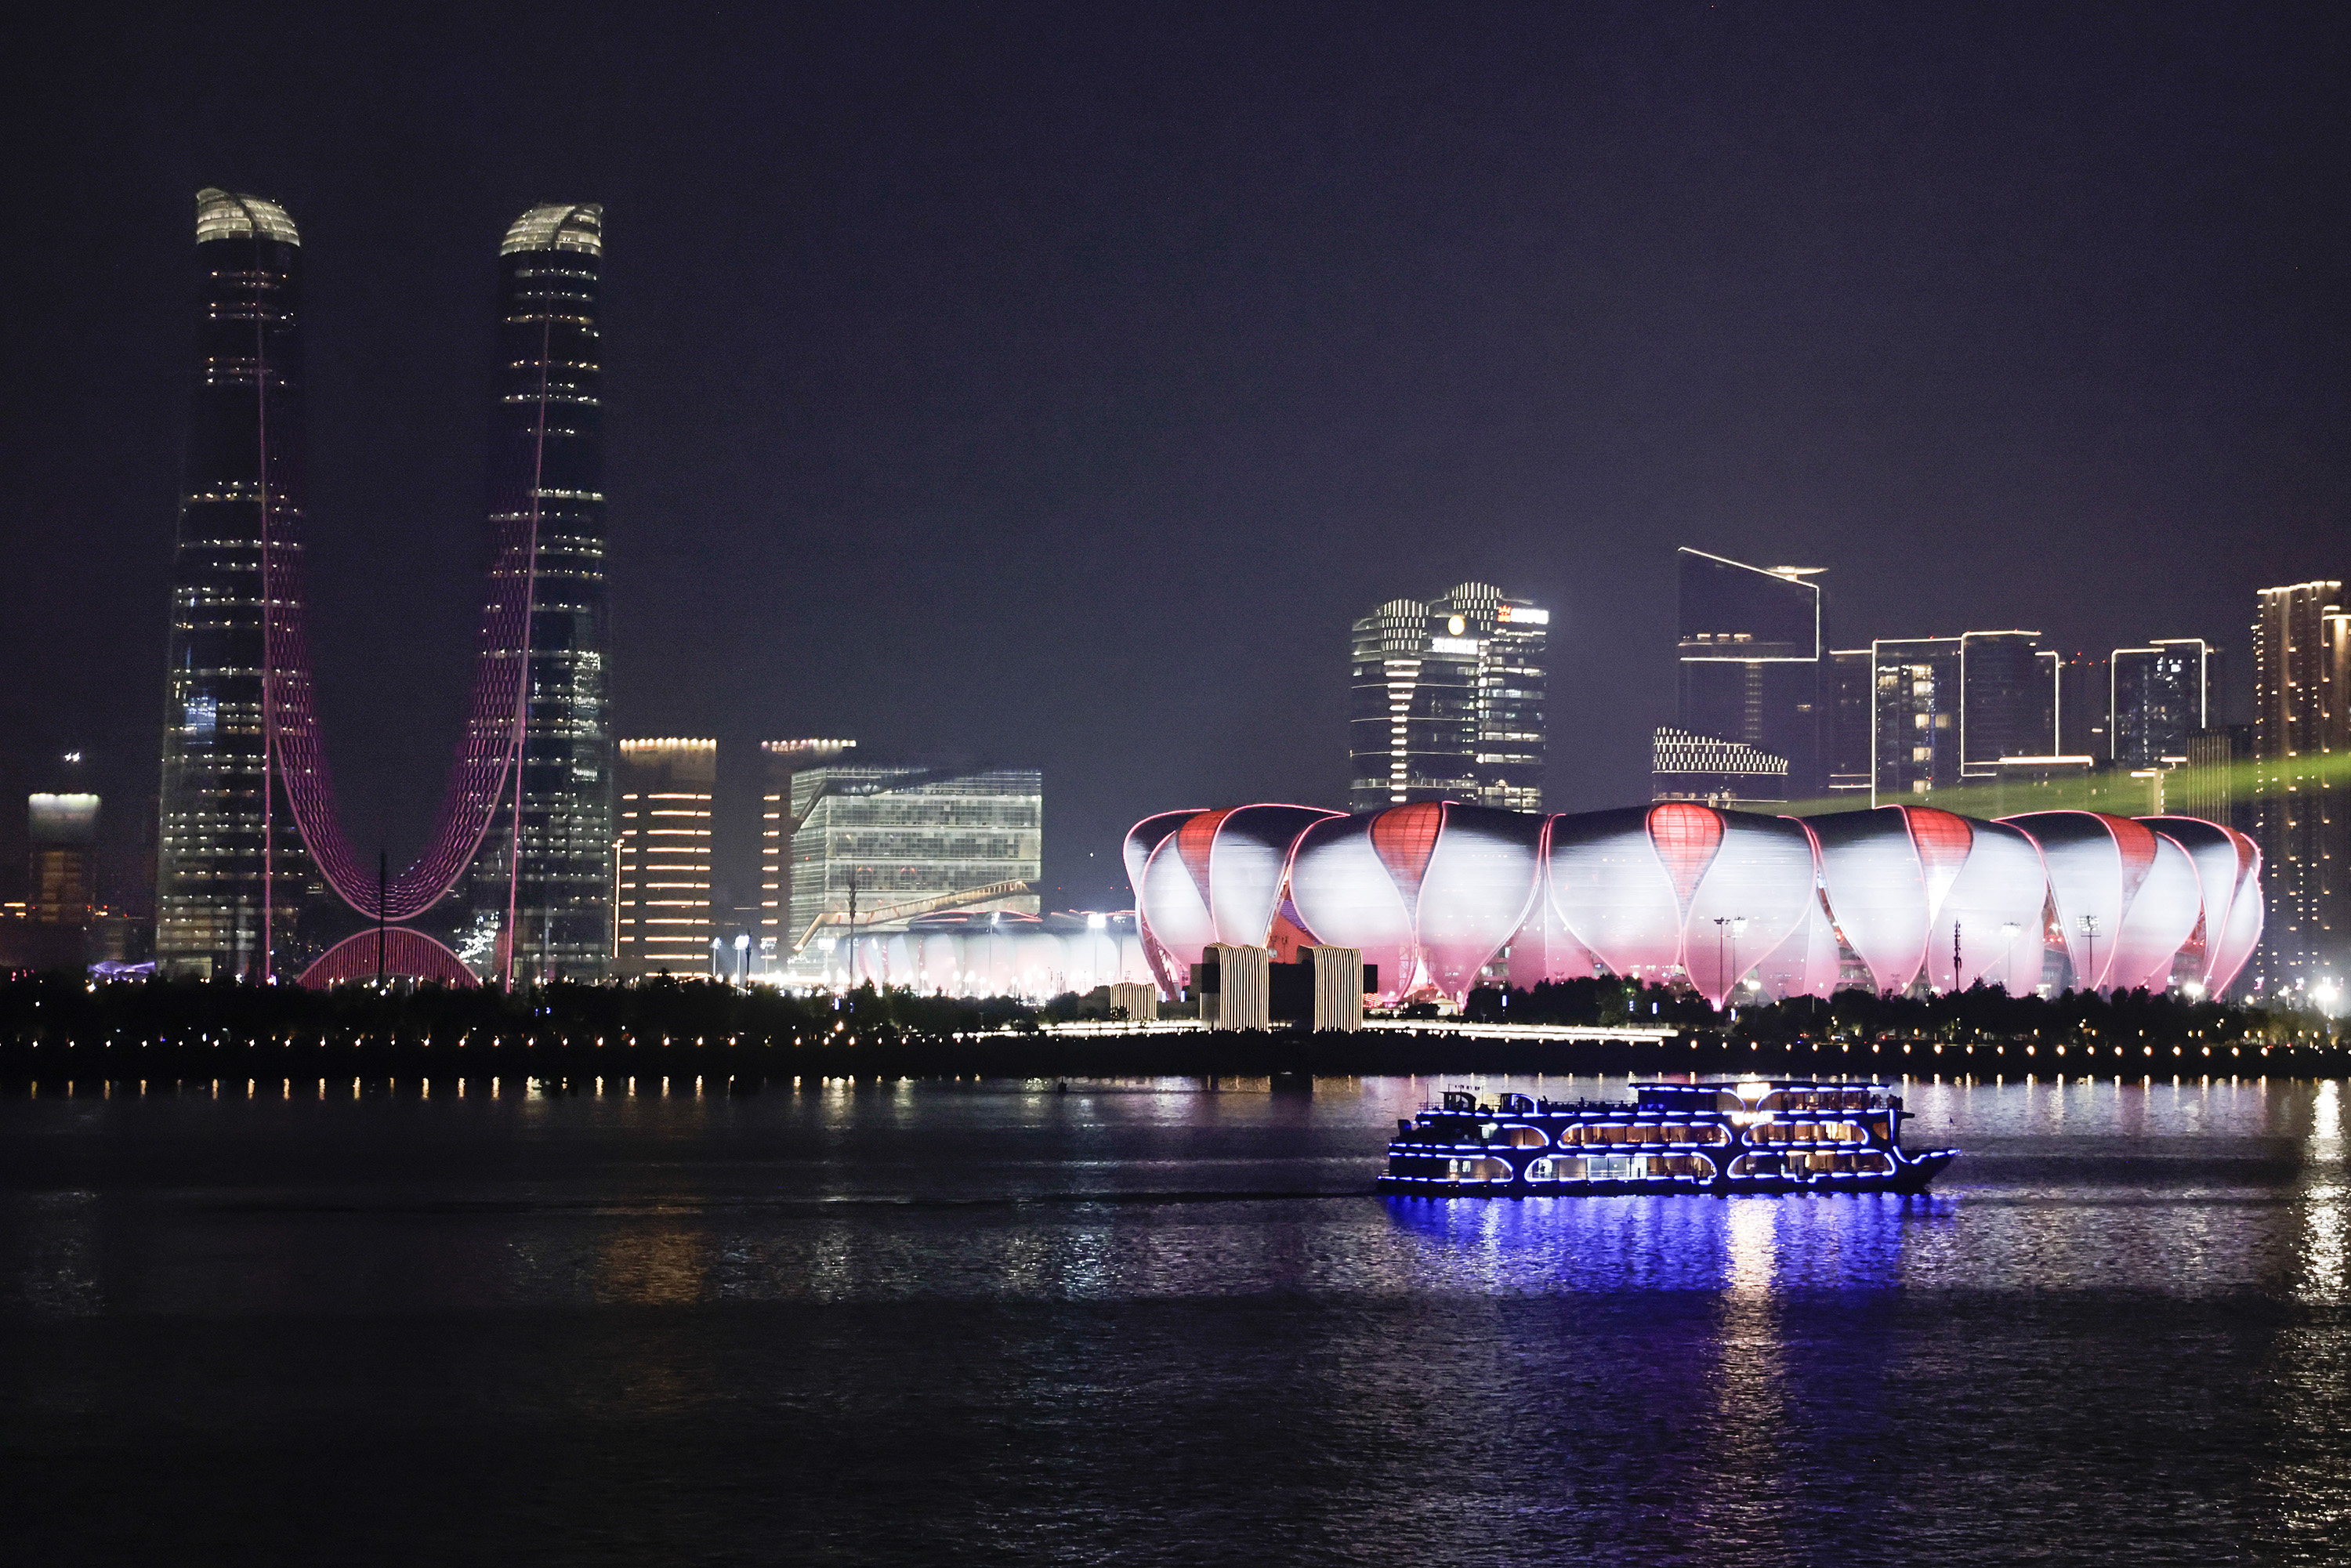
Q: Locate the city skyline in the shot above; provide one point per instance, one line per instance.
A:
(257, 877)
(797, 546)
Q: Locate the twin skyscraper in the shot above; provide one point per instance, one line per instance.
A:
(255, 877)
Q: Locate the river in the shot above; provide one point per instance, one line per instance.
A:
(1152, 1323)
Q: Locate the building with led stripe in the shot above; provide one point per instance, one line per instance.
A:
(780, 759)
(219, 826)
(662, 921)
(2301, 804)
(1748, 664)
(872, 844)
(255, 877)
(547, 463)
(1449, 699)
(2158, 698)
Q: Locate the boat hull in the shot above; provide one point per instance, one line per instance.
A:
(1913, 1174)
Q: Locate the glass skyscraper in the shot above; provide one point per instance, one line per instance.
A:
(1749, 653)
(547, 490)
(254, 877)
(224, 817)
(2300, 805)
(2007, 700)
(902, 841)
(1448, 701)
(2159, 696)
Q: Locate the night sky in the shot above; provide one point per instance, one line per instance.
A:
(1054, 385)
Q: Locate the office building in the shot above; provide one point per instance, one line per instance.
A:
(1915, 715)
(255, 877)
(1948, 710)
(2008, 699)
(1849, 732)
(780, 759)
(546, 494)
(1449, 701)
(2084, 701)
(223, 820)
(2302, 679)
(878, 845)
(1749, 655)
(662, 921)
(64, 832)
(2158, 697)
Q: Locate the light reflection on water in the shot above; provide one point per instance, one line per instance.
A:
(2120, 1326)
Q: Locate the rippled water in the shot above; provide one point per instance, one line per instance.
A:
(1147, 1323)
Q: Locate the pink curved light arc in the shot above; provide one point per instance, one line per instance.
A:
(492, 732)
(405, 952)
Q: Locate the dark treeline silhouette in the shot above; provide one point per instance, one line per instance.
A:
(1981, 1012)
(58, 1028)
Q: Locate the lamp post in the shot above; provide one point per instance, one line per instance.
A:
(1727, 926)
(2088, 926)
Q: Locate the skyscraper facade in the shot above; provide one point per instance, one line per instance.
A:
(1449, 701)
(2007, 700)
(2301, 732)
(2158, 697)
(1849, 730)
(1748, 659)
(661, 895)
(890, 844)
(547, 491)
(255, 877)
(225, 828)
(1920, 684)
(780, 759)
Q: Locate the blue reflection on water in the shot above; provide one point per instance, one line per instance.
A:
(1748, 1245)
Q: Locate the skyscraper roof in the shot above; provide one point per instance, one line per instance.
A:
(558, 225)
(230, 215)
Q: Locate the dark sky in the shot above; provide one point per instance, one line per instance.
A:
(1055, 384)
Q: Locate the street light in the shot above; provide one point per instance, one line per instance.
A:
(2088, 926)
(1733, 925)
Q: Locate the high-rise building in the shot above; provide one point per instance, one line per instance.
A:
(2084, 693)
(781, 759)
(2301, 806)
(546, 481)
(223, 813)
(1749, 653)
(2007, 700)
(897, 842)
(1944, 710)
(1449, 701)
(254, 876)
(1849, 734)
(2158, 697)
(64, 832)
(1919, 682)
(660, 880)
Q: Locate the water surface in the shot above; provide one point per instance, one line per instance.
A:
(1147, 1324)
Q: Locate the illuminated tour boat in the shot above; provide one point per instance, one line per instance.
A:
(1783, 1135)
